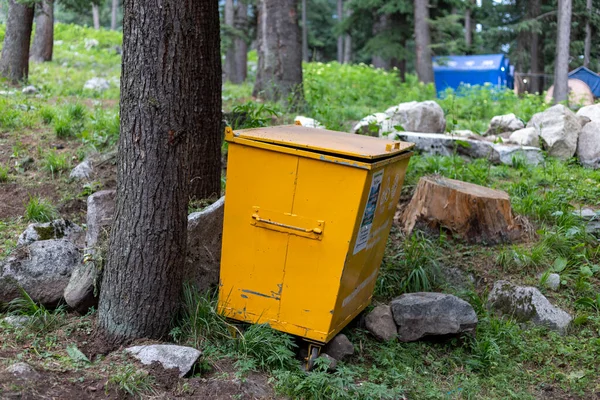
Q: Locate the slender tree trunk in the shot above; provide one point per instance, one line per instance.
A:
(161, 78)
(587, 47)
(205, 144)
(380, 25)
(561, 66)
(347, 49)
(305, 56)
(535, 50)
(340, 39)
(113, 16)
(424, 64)
(14, 61)
(468, 29)
(241, 46)
(96, 16)
(43, 40)
(279, 51)
(230, 67)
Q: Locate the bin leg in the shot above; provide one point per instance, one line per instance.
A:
(313, 353)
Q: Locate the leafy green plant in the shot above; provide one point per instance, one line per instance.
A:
(132, 381)
(250, 115)
(4, 173)
(55, 162)
(38, 318)
(590, 302)
(47, 114)
(270, 349)
(39, 210)
(64, 126)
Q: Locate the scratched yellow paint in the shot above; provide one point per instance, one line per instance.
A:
(307, 216)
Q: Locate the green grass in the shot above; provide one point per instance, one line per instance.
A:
(55, 162)
(132, 381)
(40, 210)
(4, 173)
(39, 319)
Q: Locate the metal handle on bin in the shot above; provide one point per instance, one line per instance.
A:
(317, 231)
(392, 146)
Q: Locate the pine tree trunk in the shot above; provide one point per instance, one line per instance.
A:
(380, 24)
(206, 140)
(230, 67)
(561, 66)
(43, 40)
(535, 86)
(587, 47)
(14, 61)
(304, 33)
(241, 47)
(347, 49)
(468, 29)
(96, 16)
(113, 15)
(340, 39)
(279, 52)
(160, 110)
(424, 64)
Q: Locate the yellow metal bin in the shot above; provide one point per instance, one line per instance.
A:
(307, 216)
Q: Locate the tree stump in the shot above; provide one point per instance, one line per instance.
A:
(471, 212)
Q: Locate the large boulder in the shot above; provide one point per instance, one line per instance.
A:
(592, 112)
(432, 314)
(42, 269)
(57, 229)
(168, 355)
(204, 237)
(527, 304)
(559, 129)
(588, 146)
(380, 323)
(426, 116)
(378, 124)
(525, 137)
(504, 123)
(100, 213)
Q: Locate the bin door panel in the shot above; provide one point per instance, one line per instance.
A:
(253, 258)
(331, 193)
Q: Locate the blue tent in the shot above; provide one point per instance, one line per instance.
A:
(590, 77)
(453, 71)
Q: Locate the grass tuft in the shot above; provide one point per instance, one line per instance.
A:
(39, 210)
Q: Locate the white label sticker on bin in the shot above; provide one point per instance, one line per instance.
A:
(369, 214)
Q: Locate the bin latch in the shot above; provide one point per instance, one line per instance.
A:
(392, 146)
(288, 223)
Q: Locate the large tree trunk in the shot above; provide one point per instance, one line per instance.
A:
(279, 51)
(347, 49)
(230, 67)
(340, 39)
(423, 42)
(96, 16)
(14, 61)
(561, 65)
(241, 46)
(380, 24)
(536, 71)
(587, 47)
(305, 56)
(113, 15)
(160, 113)
(43, 40)
(474, 213)
(205, 143)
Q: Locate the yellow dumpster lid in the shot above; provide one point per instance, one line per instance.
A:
(324, 141)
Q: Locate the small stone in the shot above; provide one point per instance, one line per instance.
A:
(29, 90)
(339, 347)
(23, 370)
(57, 229)
(504, 123)
(18, 321)
(426, 116)
(553, 281)
(331, 361)
(168, 355)
(587, 214)
(83, 171)
(380, 323)
(525, 137)
(377, 124)
(98, 84)
(91, 43)
(307, 122)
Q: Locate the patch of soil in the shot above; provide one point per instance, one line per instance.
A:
(14, 196)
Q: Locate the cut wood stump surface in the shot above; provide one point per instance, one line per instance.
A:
(471, 212)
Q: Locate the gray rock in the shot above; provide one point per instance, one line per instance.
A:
(97, 84)
(587, 214)
(508, 154)
(332, 362)
(377, 124)
(29, 90)
(42, 268)
(83, 289)
(426, 116)
(583, 120)
(559, 129)
(588, 145)
(168, 355)
(553, 281)
(527, 304)
(463, 133)
(100, 213)
(591, 112)
(339, 347)
(381, 323)
(205, 231)
(91, 43)
(593, 227)
(18, 321)
(82, 171)
(57, 229)
(23, 370)
(525, 137)
(308, 122)
(456, 279)
(504, 123)
(431, 314)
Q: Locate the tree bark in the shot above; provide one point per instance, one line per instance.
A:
(113, 16)
(561, 65)
(241, 46)
(347, 49)
(230, 67)
(305, 56)
(96, 16)
(279, 52)
(423, 42)
(160, 82)
(43, 40)
(474, 213)
(587, 47)
(205, 144)
(380, 24)
(340, 39)
(14, 61)
(536, 70)
(468, 29)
